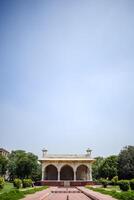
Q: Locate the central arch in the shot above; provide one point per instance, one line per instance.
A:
(51, 173)
(66, 173)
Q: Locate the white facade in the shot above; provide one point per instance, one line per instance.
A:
(67, 166)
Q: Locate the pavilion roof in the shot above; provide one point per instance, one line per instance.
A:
(67, 157)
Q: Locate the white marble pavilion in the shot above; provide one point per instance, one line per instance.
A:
(66, 167)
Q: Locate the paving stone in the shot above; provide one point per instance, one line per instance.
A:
(59, 193)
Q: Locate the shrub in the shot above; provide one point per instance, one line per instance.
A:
(114, 180)
(124, 185)
(132, 184)
(17, 183)
(96, 182)
(104, 182)
(27, 183)
(2, 182)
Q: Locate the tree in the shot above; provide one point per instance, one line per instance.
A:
(22, 164)
(96, 167)
(109, 167)
(126, 163)
(13, 159)
(36, 173)
(3, 165)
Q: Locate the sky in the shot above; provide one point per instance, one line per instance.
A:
(67, 75)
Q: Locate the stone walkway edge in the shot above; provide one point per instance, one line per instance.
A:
(88, 194)
(95, 195)
(44, 196)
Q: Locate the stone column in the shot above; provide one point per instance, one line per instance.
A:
(74, 175)
(90, 172)
(58, 175)
(43, 171)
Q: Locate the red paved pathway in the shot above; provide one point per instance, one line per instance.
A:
(39, 195)
(55, 193)
(72, 193)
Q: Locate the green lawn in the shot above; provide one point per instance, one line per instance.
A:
(116, 188)
(7, 187)
(30, 188)
(8, 193)
(108, 188)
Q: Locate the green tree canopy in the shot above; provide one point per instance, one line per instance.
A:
(96, 167)
(126, 163)
(108, 169)
(22, 164)
(3, 165)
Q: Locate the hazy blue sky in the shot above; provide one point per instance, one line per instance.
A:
(67, 75)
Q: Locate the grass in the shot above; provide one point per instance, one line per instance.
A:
(114, 192)
(29, 188)
(116, 188)
(35, 189)
(9, 193)
(8, 187)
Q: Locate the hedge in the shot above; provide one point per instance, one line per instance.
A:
(124, 185)
(104, 182)
(114, 180)
(132, 184)
(17, 183)
(27, 183)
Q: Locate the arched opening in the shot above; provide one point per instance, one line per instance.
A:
(51, 173)
(66, 173)
(82, 173)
